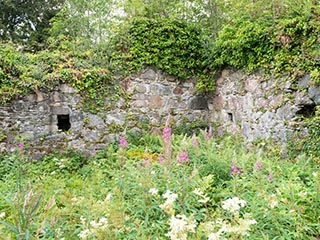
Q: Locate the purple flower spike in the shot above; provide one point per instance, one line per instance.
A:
(160, 159)
(259, 166)
(20, 145)
(209, 134)
(235, 170)
(183, 157)
(194, 141)
(123, 142)
(166, 134)
(269, 177)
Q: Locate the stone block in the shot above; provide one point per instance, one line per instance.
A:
(60, 110)
(149, 74)
(155, 102)
(198, 103)
(314, 94)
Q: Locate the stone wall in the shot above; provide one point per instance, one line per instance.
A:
(56, 120)
(252, 105)
(262, 107)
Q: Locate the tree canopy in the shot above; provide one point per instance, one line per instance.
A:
(27, 20)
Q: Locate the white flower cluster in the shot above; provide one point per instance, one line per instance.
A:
(204, 197)
(180, 226)
(61, 163)
(238, 226)
(241, 228)
(233, 205)
(216, 236)
(2, 215)
(153, 191)
(167, 206)
(94, 226)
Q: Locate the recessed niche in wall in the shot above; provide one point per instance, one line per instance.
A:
(230, 116)
(307, 110)
(64, 122)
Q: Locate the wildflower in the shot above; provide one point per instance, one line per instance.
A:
(272, 201)
(170, 196)
(153, 191)
(146, 163)
(269, 177)
(108, 197)
(209, 134)
(273, 204)
(233, 205)
(242, 228)
(95, 224)
(235, 170)
(259, 166)
(194, 141)
(123, 142)
(20, 145)
(214, 236)
(167, 206)
(201, 194)
(103, 220)
(160, 159)
(183, 157)
(94, 153)
(180, 225)
(83, 220)
(166, 134)
(85, 234)
(2, 215)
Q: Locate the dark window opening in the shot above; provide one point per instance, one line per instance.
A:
(63, 122)
(230, 115)
(307, 110)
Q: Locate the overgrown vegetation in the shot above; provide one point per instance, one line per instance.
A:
(170, 45)
(182, 39)
(147, 186)
(309, 143)
(169, 187)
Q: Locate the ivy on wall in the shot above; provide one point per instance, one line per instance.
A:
(173, 46)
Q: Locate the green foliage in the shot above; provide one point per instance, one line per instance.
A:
(244, 45)
(171, 45)
(27, 21)
(315, 76)
(128, 193)
(279, 39)
(61, 164)
(23, 73)
(184, 40)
